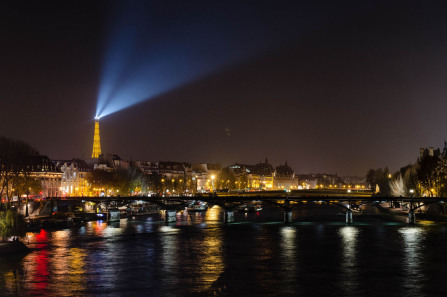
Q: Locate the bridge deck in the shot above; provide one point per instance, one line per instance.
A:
(242, 198)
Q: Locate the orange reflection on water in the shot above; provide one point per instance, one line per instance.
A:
(213, 213)
(76, 269)
(67, 267)
(12, 277)
(9, 279)
(64, 263)
(211, 261)
(67, 264)
(34, 271)
(98, 227)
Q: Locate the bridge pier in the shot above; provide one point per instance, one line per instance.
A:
(288, 216)
(170, 216)
(349, 216)
(228, 216)
(411, 216)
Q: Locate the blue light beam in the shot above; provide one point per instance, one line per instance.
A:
(154, 47)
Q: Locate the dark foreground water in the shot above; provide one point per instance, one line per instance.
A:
(256, 256)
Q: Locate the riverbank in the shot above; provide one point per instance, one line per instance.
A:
(419, 215)
(8, 248)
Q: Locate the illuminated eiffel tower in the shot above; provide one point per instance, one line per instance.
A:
(96, 141)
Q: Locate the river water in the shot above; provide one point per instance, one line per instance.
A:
(317, 255)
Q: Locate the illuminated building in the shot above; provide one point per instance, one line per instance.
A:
(284, 178)
(178, 176)
(259, 176)
(42, 169)
(74, 177)
(262, 176)
(206, 176)
(96, 141)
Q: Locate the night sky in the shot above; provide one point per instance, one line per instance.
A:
(329, 87)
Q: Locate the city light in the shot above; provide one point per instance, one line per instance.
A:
(332, 90)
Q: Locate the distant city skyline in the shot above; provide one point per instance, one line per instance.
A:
(336, 88)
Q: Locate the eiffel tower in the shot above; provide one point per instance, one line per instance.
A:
(96, 141)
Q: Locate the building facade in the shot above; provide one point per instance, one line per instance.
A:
(74, 177)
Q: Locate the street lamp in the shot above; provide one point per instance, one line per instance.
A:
(26, 201)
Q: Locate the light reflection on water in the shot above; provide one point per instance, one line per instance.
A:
(412, 237)
(169, 257)
(288, 246)
(210, 262)
(213, 215)
(55, 266)
(289, 259)
(349, 273)
(141, 257)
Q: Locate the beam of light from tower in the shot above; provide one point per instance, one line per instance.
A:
(154, 47)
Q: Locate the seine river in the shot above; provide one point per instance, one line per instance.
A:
(318, 255)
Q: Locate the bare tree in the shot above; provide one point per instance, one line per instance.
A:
(15, 158)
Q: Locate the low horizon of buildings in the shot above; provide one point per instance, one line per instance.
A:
(70, 177)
